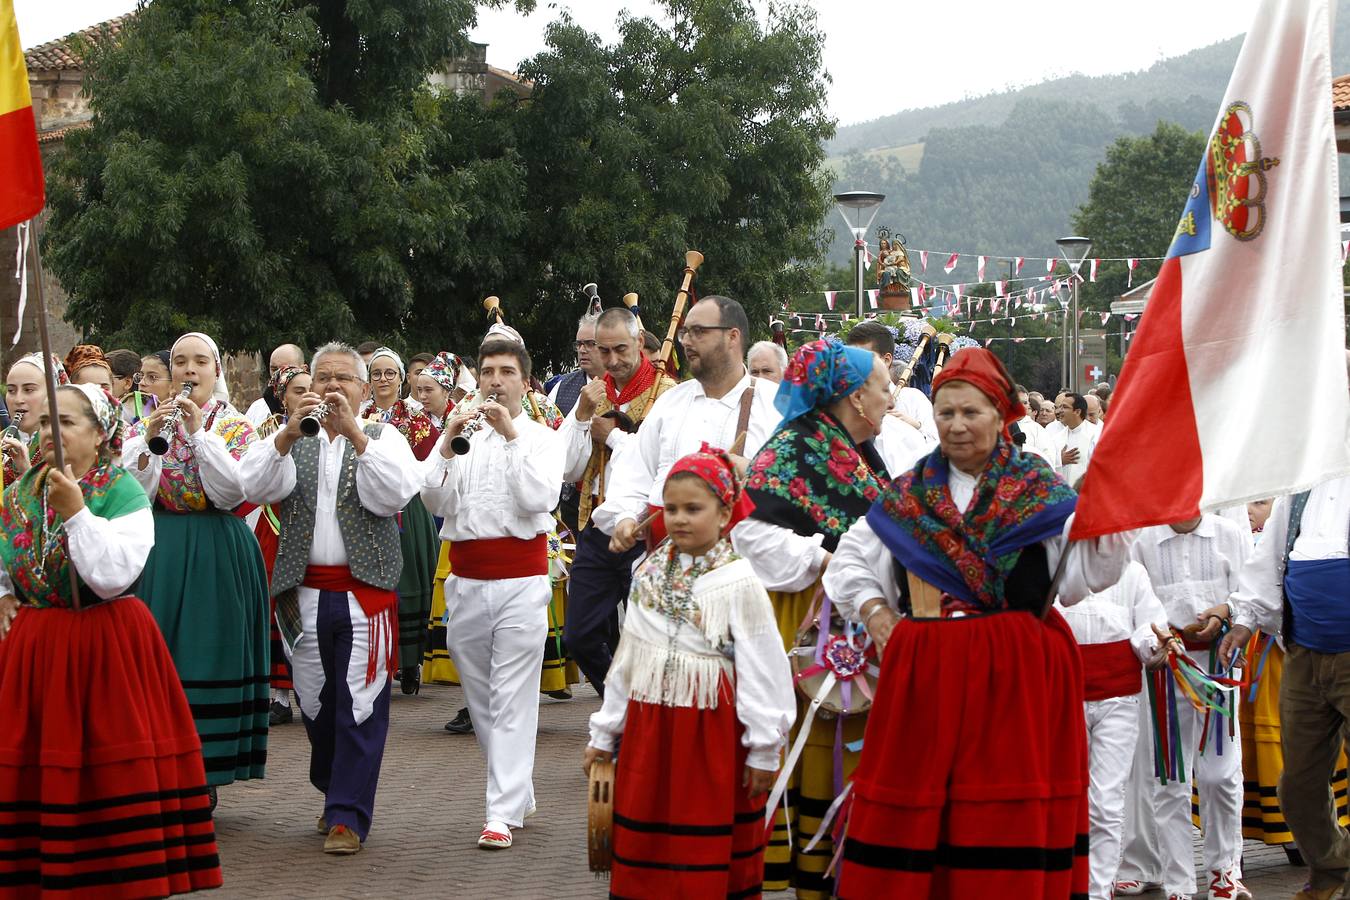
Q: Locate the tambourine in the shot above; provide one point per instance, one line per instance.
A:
(600, 816)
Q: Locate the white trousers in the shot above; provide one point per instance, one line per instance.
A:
(495, 634)
(1158, 822)
(1113, 733)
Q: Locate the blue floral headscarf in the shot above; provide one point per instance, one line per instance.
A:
(820, 373)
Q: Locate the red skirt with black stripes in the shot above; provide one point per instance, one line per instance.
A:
(684, 825)
(102, 788)
(974, 769)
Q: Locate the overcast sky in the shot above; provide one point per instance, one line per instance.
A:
(880, 61)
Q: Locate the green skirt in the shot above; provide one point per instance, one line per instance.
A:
(206, 586)
(420, 544)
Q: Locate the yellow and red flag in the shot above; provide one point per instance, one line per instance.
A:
(21, 184)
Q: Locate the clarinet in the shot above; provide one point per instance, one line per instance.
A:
(159, 444)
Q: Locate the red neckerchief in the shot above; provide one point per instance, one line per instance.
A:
(641, 380)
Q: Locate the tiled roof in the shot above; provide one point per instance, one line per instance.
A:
(59, 134)
(1340, 93)
(57, 55)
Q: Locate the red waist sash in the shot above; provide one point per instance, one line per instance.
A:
(378, 604)
(1110, 670)
(373, 600)
(489, 559)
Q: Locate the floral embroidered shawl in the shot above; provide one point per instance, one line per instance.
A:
(1019, 501)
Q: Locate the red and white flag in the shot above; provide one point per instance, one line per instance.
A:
(915, 297)
(1050, 265)
(872, 298)
(1246, 314)
(951, 263)
(820, 322)
(1020, 260)
(979, 268)
(923, 261)
(999, 286)
(1092, 269)
(1130, 265)
(830, 297)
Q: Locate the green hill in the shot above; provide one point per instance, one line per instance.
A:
(1004, 173)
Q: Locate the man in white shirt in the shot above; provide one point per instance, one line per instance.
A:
(1095, 411)
(1193, 566)
(1036, 440)
(912, 405)
(631, 386)
(497, 501)
(767, 360)
(334, 580)
(720, 403)
(1055, 427)
(1071, 448)
(266, 405)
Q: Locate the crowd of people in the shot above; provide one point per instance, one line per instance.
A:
(851, 604)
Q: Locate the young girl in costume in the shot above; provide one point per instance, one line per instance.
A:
(701, 693)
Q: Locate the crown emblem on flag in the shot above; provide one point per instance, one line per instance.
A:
(1236, 174)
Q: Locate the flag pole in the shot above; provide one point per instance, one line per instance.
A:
(59, 460)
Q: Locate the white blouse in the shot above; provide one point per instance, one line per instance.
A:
(499, 488)
(217, 469)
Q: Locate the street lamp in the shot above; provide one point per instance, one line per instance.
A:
(1074, 249)
(858, 208)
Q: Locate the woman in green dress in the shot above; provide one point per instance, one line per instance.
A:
(205, 582)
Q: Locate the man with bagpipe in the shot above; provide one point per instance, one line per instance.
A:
(722, 406)
(605, 419)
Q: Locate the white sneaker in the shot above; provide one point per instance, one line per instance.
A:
(1226, 885)
(1135, 888)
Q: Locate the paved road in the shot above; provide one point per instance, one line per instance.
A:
(429, 812)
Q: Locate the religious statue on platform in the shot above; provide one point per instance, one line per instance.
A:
(893, 266)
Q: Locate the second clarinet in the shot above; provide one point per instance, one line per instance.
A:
(159, 444)
(460, 442)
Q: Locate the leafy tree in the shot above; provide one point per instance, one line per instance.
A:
(261, 171)
(702, 132)
(1134, 202)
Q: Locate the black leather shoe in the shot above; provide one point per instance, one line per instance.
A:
(564, 694)
(214, 798)
(410, 680)
(461, 723)
(280, 714)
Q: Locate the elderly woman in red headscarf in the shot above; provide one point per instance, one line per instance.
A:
(973, 776)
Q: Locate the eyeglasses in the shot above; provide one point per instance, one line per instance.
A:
(584, 345)
(386, 375)
(698, 332)
(329, 378)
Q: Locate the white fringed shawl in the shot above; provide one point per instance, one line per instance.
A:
(730, 601)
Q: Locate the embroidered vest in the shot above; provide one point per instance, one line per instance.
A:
(372, 541)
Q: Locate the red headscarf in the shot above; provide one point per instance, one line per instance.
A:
(978, 367)
(714, 466)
